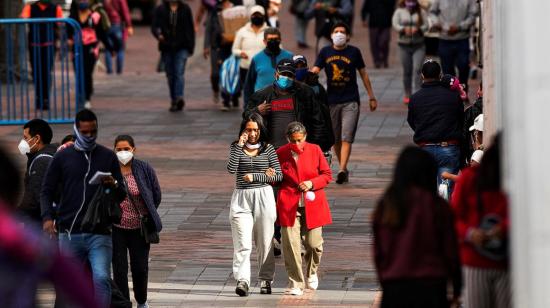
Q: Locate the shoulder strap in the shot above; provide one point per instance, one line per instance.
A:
(37, 157)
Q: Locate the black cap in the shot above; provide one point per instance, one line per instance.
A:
(286, 66)
(299, 59)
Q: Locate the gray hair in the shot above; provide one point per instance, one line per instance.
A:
(295, 127)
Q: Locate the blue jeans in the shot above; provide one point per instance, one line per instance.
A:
(174, 65)
(455, 53)
(98, 251)
(447, 158)
(116, 45)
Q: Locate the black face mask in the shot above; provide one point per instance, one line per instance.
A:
(274, 46)
(257, 20)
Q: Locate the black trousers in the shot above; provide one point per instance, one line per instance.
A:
(89, 59)
(380, 45)
(42, 62)
(415, 293)
(131, 241)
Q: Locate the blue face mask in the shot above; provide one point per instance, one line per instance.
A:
(284, 82)
(301, 74)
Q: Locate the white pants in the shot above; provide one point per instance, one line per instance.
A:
(252, 215)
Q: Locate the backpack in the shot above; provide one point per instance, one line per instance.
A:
(229, 75)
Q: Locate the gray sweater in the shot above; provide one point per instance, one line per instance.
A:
(461, 13)
(403, 18)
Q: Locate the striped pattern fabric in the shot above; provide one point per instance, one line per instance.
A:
(486, 288)
(241, 164)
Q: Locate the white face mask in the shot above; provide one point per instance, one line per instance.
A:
(124, 157)
(339, 39)
(24, 147)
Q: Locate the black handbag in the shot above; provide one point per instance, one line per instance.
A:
(147, 226)
(102, 212)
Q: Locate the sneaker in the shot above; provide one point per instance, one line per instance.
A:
(144, 305)
(302, 45)
(313, 282)
(216, 97)
(265, 287)
(173, 106)
(224, 108)
(296, 292)
(180, 104)
(342, 177)
(242, 288)
(276, 247)
(88, 105)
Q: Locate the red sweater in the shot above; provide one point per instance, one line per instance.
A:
(464, 204)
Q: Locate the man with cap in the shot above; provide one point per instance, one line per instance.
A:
(262, 67)
(436, 116)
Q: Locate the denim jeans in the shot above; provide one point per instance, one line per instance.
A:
(447, 158)
(116, 45)
(98, 251)
(174, 65)
(455, 53)
(300, 29)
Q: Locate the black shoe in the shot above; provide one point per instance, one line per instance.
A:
(180, 104)
(242, 288)
(265, 287)
(303, 45)
(173, 107)
(342, 177)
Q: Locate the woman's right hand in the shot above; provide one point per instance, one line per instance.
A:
(243, 139)
(244, 55)
(270, 172)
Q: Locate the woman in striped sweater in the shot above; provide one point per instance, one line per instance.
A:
(252, 210)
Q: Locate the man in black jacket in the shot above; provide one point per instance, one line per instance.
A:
(73, 168)
(37, 135)
(436, 116)
(173, 28)
(377, 15)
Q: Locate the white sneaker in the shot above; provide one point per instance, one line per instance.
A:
(88, 105)
(313, 282)
(144, 305)
(296, 292)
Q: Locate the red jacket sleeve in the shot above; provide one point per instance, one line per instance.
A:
(459, 202)
(325, 175)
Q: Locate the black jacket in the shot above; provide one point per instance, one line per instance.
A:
(307, 110)
(149, 189)
(37, 165)
(378, 12)
(74, 169)
(436, 114)
(177, 35)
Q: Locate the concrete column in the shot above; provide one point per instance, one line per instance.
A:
(493, 115)
(522, 67)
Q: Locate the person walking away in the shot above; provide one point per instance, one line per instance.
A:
(249, 41)
(327, 13)
(410, 21)
(377, 16)
(298, 9)
(436, 116)
(37, 135)
(482, 223)
(454, 19)
(73, 168)
(261, 72)
(121, 28)
(431, 37)
(42, 49)
(341, 61)
(415, 245)
(302, 212)
(252, 209)
(144, 197)
(173, 28)
(90, 24)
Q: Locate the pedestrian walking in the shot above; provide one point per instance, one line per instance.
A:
(327, 13)
(261, 72)
(139, 211)
(302, 207)
(298, 8)
(173, 28)
(74, 168)
(415, 245)
(341, 62)
(482, 223)
(249, 41)
(252, 210)
(410, 21)
(431, 37)
(454, 19)
(377, 16)
(121, 28)
(42, 49)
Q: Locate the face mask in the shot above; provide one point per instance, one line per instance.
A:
(83, 143)
(274, 46)
(257, 20)
(339, 39)
(301, 74)
(284, 82)
(24, 147)
(298, 149)
(124, 157)
(410, 5)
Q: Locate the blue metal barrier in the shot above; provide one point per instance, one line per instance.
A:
(38, 79)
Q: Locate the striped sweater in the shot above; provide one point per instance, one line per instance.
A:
(241, 164)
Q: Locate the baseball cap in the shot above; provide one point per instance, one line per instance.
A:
(257, 9)
(286, 66)
(299, 58)
(478, 123)
(477, 155)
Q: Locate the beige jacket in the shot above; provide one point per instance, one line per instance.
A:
(248, 41)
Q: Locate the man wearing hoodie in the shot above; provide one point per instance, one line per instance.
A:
(37, 135)
(73, 168)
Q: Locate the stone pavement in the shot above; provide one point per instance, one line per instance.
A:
(191, 267)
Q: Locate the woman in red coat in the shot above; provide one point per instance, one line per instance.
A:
(302, 207)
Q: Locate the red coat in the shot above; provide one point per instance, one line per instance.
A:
(312, 166)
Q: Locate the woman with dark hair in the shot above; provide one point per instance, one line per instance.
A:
(481, 210)
(415, 246)
(252, 209)
(139, 210)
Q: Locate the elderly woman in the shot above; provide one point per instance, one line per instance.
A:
(302, 207)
